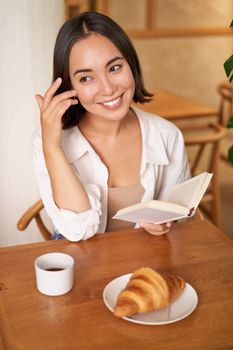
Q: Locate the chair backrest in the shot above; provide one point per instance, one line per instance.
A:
(226, 102)
(204, 155)
(210, 135)
(34, 213)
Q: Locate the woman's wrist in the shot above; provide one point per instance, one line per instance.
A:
(51, 151)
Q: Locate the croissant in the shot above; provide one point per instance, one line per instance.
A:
(148, 290)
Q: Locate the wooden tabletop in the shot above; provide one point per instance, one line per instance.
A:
(196, 250)
(173, 106)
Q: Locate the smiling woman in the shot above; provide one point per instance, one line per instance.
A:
(94, 151)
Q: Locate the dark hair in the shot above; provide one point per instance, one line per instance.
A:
(79, 27)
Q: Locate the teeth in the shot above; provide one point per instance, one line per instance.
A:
(112, 103)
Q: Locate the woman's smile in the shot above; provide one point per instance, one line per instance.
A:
(113, 104)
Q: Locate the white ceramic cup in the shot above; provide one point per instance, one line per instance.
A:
(54, 273)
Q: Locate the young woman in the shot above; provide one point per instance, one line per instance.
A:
(95, 153)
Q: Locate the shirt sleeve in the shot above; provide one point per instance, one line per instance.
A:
(178, 170)
(74, 226)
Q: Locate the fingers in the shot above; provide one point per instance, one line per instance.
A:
(51, 91)
(156, 230)
(58, 110)
(52, 108)
(50, 101)
(55, 106)
(39, 100)
(63, 99)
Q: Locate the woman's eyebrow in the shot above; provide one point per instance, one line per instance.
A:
(113, 60)
(84, 70)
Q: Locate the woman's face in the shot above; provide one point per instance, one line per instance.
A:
(102, 77)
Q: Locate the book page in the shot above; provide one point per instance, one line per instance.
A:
(150, 215)
(202, 190)
(190, 192)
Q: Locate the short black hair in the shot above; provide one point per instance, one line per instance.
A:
(80, 27)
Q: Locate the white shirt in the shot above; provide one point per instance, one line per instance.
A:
(163, 165)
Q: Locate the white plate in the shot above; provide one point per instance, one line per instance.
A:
(183, 306)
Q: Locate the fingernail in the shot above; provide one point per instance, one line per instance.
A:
(168, 224)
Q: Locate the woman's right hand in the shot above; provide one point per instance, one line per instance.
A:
(156, 229)
(52, 109)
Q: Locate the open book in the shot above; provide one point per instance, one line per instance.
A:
(181, 202)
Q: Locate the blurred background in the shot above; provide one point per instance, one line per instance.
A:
(182, 45)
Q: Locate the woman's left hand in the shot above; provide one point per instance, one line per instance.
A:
(155, 229)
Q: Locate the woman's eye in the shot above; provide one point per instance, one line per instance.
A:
(85, 79)
(115, 68)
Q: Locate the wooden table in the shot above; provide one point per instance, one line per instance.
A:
(196, 250)
(172, 106)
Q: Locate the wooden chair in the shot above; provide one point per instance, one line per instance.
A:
(34, 213)
(198, 215)
(203, 148)
(225, 91)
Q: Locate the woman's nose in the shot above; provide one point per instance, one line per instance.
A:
(106, 86)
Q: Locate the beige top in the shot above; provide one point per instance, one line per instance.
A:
(118, 198)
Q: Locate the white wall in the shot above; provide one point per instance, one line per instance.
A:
(27, 35)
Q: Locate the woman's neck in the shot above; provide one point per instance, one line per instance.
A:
(99, 127)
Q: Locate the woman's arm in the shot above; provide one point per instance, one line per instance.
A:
(67, 190)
